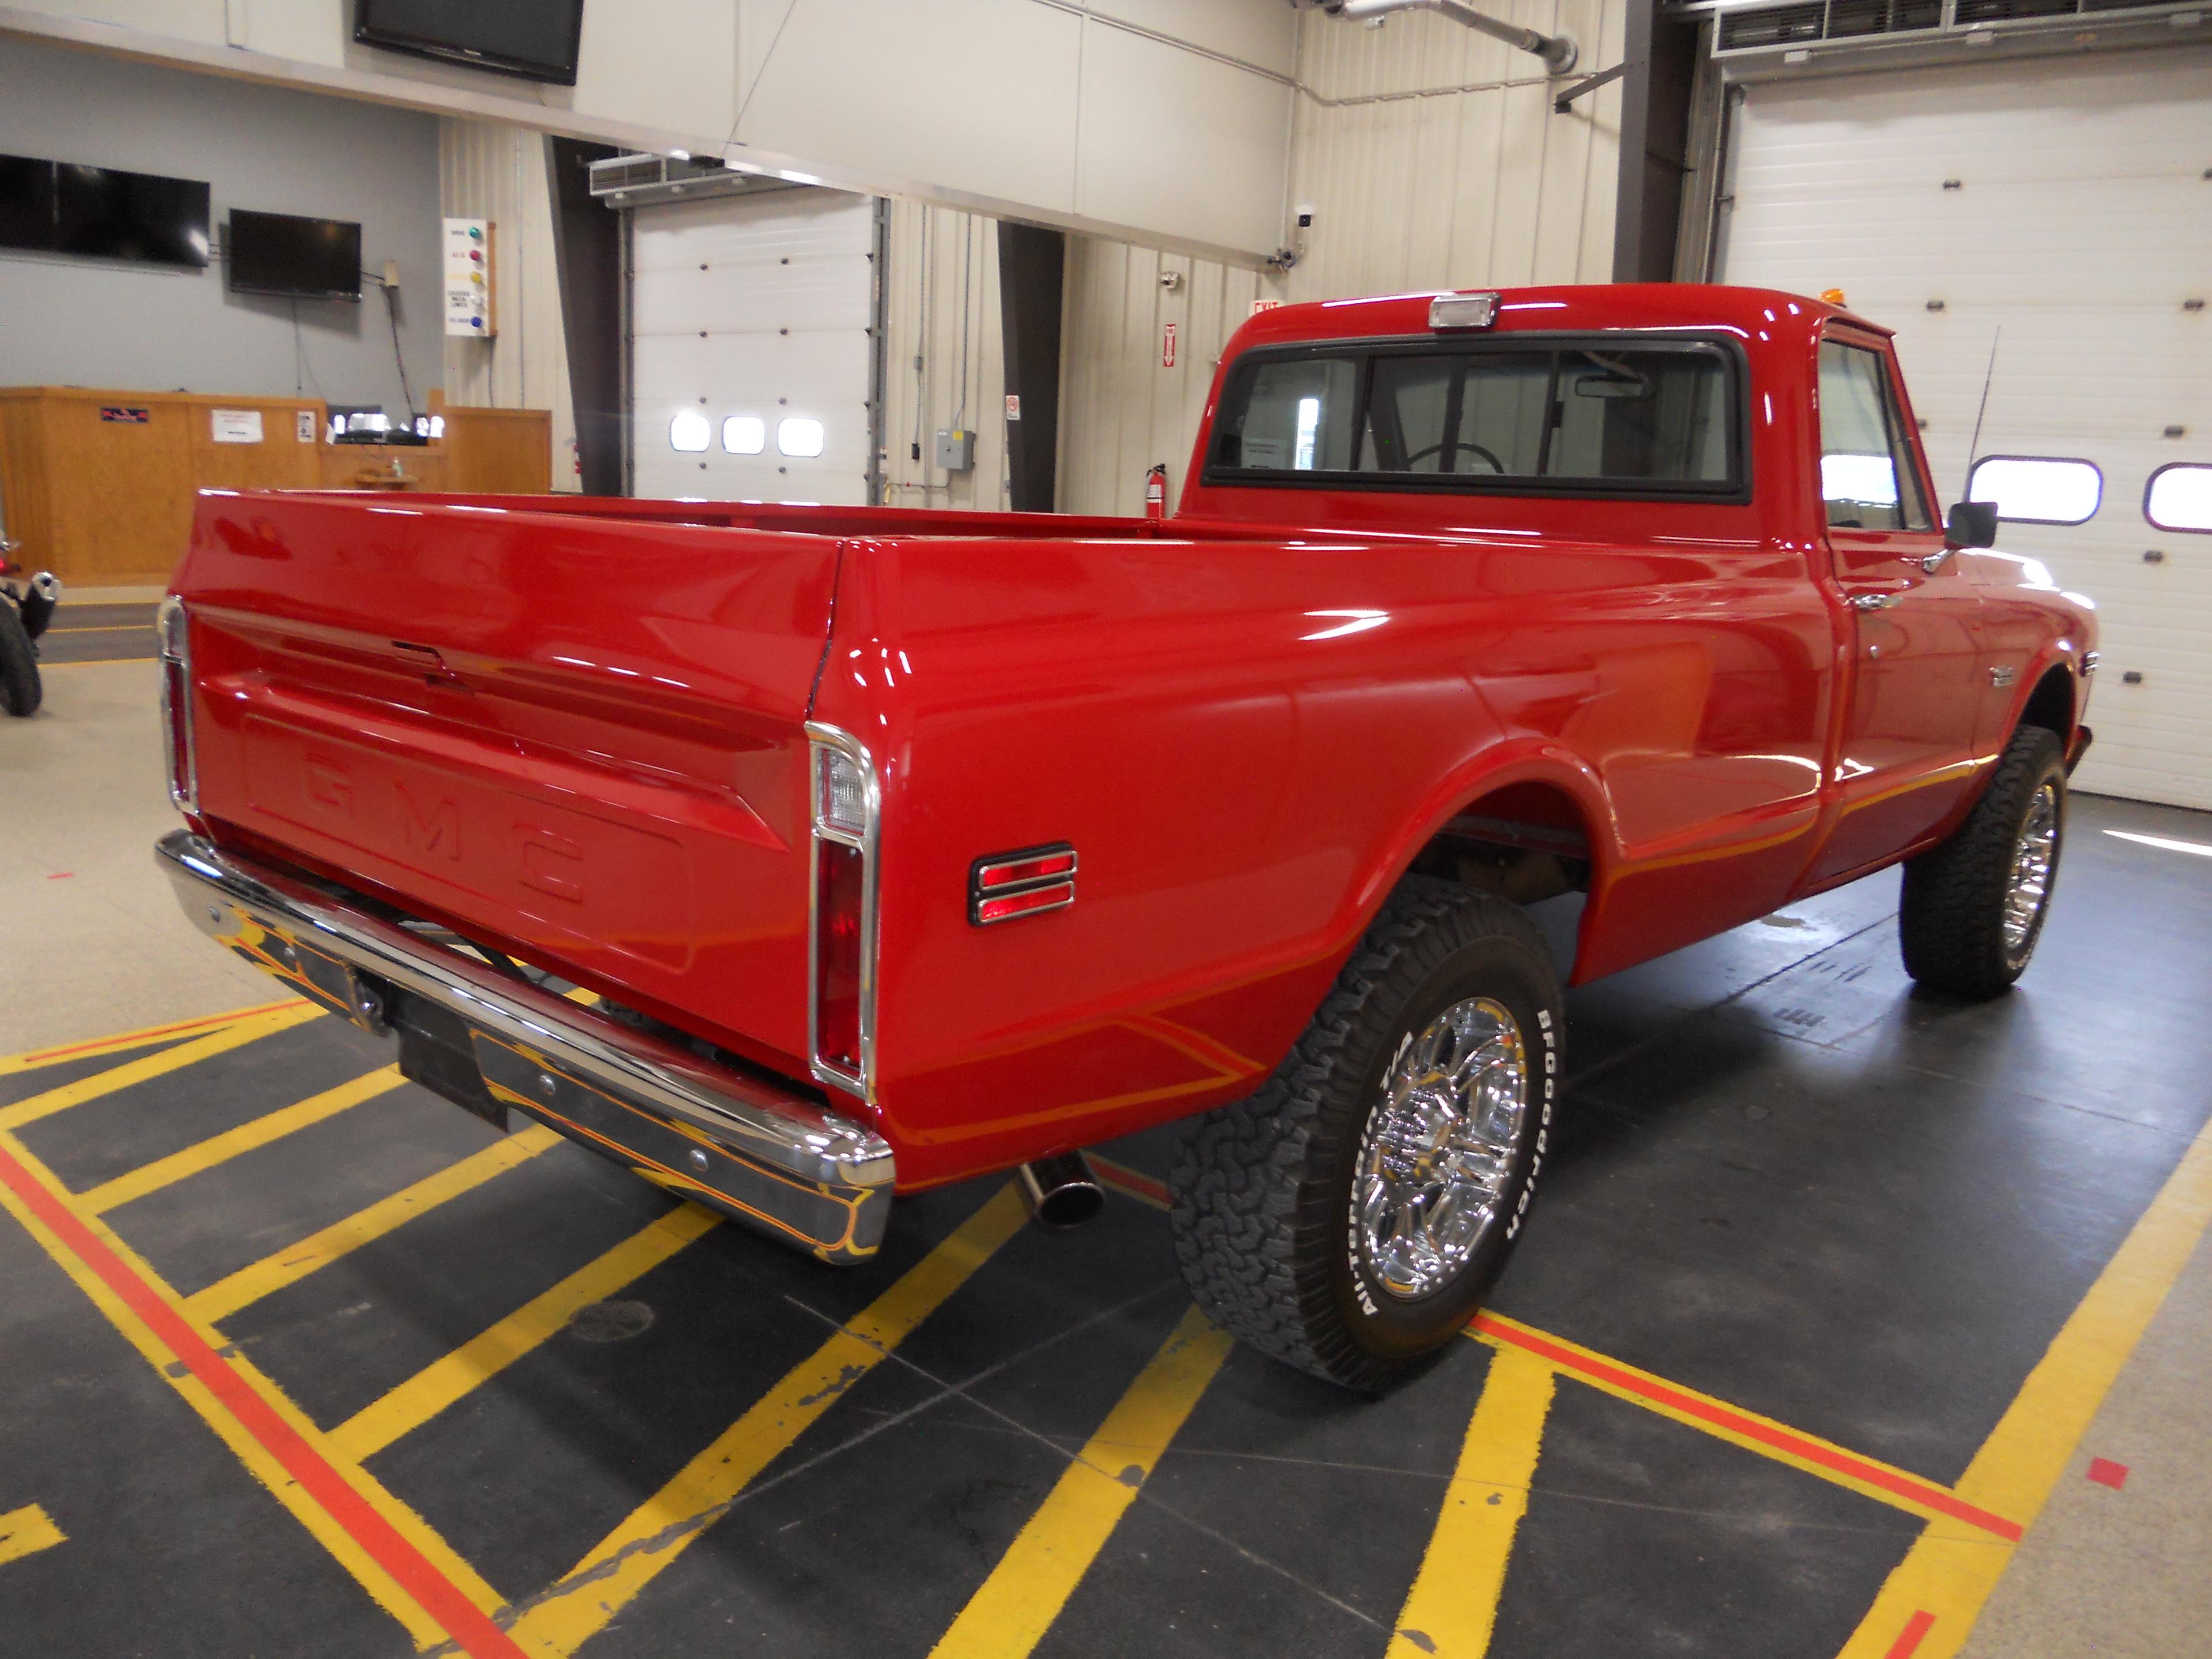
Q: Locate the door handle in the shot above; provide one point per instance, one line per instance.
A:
(1875, 601)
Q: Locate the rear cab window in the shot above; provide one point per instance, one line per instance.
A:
(1633, 417)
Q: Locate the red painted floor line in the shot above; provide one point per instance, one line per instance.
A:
(437, 1594)
(2107, 1473)
(135, 1039)
(1909, 1639)
(1925, 1492)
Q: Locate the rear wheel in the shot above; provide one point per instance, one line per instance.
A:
(1349, 1218)
(1973, 908)
(20, 689)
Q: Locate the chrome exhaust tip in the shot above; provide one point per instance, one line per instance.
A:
(1060, 1191)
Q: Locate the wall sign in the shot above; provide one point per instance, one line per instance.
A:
(1259, 306)
(1013, 405)
(468, 278)
(1167, 345)
(235, 426)
(304, 425)
(126, 416)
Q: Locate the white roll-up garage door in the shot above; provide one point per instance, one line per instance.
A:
(751, 355)
(2070, 202)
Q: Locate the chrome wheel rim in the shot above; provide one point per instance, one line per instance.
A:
(2033, 862)
(1438, 1152)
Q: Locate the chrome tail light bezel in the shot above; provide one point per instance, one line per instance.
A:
(825, 834)
(179, 747)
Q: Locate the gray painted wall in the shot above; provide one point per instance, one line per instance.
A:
(98, 323)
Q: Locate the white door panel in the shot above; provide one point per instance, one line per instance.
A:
(760, 307)
(2078, 218)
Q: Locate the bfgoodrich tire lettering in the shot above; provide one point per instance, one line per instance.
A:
(1952, 920)
(1266, 1223)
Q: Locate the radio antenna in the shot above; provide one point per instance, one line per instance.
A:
(1974, 445)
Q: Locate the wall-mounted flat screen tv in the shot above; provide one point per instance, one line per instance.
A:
(281, 253)
(113, 215)
(27, 203)
(536, 39)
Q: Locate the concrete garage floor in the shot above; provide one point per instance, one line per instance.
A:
(1829, 1292)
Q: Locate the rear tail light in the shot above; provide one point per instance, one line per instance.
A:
(841, 944)
(173, 628)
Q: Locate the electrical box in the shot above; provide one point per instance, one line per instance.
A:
(956, 450)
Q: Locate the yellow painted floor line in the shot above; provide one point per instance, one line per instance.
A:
(1809, 1453)
(219, 1149)
(1008, 1616)
(33, 1059)
(1453, 1604)
(445, 1381)
(272, 1272)
(25, 1532)
(235, 1035)
(1939, 1588)
(659, 1529)
(344, 1542)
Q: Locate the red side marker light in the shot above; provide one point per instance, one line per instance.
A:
(1003, 885)
(2107, 1473)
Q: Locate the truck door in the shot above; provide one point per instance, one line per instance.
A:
(1910, 698)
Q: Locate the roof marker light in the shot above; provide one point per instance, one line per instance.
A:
(1463, 311)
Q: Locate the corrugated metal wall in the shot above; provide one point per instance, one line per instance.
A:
(1121, 408)
(1431, 158)
(491, 170)
(942, 306)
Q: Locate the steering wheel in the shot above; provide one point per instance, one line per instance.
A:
(1496, 465)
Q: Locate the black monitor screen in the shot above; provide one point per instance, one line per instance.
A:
(26, 203)
(534, 39)
(278, 254)
(130, 215)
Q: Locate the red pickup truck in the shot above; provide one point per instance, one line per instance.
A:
(896, 847)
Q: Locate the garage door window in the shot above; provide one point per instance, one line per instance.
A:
(2179, 497)
(2038, 489)
(798, 436)
(745, 434)
(1867, 474)
(689, 432)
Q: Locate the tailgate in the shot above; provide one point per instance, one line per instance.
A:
(578, 739)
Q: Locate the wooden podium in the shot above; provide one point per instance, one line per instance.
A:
(97, 486)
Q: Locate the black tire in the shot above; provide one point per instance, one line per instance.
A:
(1262, 1189)
(20, 689)
(1952, 919)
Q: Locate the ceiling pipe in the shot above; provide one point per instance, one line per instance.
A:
(1559, 52)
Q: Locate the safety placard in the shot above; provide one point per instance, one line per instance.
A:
(1167, 345)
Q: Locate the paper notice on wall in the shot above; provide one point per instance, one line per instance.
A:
(1013, 405)
(303, 422)
(235, 426)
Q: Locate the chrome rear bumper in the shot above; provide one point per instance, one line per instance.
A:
(774, 1160)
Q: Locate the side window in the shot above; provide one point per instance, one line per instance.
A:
(1293, 415)
(1867, 475)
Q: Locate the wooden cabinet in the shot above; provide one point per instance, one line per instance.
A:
(98, 486)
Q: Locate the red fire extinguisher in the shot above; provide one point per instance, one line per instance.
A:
(1156, 492)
